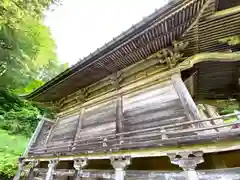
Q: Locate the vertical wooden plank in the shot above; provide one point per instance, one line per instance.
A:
(49, 137)
(30, 175)
(119, 118)
(191, 85)
(79, 124)
(51, 168)
(189, 105)
(76, 175)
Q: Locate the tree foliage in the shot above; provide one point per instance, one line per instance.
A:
(11, 148)
(26, 47)
(27, 61)
(19, 116)
(18, 120)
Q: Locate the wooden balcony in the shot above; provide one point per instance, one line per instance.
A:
(162, 114)
(166, 135)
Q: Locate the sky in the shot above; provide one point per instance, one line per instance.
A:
(79, 27)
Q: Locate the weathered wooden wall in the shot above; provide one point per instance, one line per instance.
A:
(137, 100)
(152, 107)
(103, 125)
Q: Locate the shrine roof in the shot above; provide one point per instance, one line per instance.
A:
(174, 21)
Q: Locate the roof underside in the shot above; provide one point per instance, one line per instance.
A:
(214, 79)
(145, 38)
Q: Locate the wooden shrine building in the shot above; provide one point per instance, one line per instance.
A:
(130, 110)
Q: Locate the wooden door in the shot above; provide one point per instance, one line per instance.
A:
(97, 122)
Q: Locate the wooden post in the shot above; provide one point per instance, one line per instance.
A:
(51, 168)
(119, 164)
(213, 112)
(119, 118)
(30, 175)
(115, 81)
(190, 107)
(203, 115)
(79, 164)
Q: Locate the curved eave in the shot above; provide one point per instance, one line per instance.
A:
(114, 43)
(148, 36)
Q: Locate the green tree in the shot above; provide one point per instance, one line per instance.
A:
(27, 51)
(27, 61)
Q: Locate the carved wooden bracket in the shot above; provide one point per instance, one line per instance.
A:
(120, 162)
(116, 79)
(52, 163)
(79, 164)
(187, 160)
(172, 55)
(33, 164)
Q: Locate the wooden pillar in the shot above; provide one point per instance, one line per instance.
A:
(79, 164)
(189, 105)
(119, 125)
(119, 164)
(188, 161)
(30, 175)
(115, 81)
(119, 118)
(51, 168)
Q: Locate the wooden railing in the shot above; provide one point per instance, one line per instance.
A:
(150, 137)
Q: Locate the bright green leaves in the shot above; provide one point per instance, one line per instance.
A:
(17, 116)
(27, 61)
(11, 147)
(27, 51)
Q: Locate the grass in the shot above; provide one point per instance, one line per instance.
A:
(11, 147)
